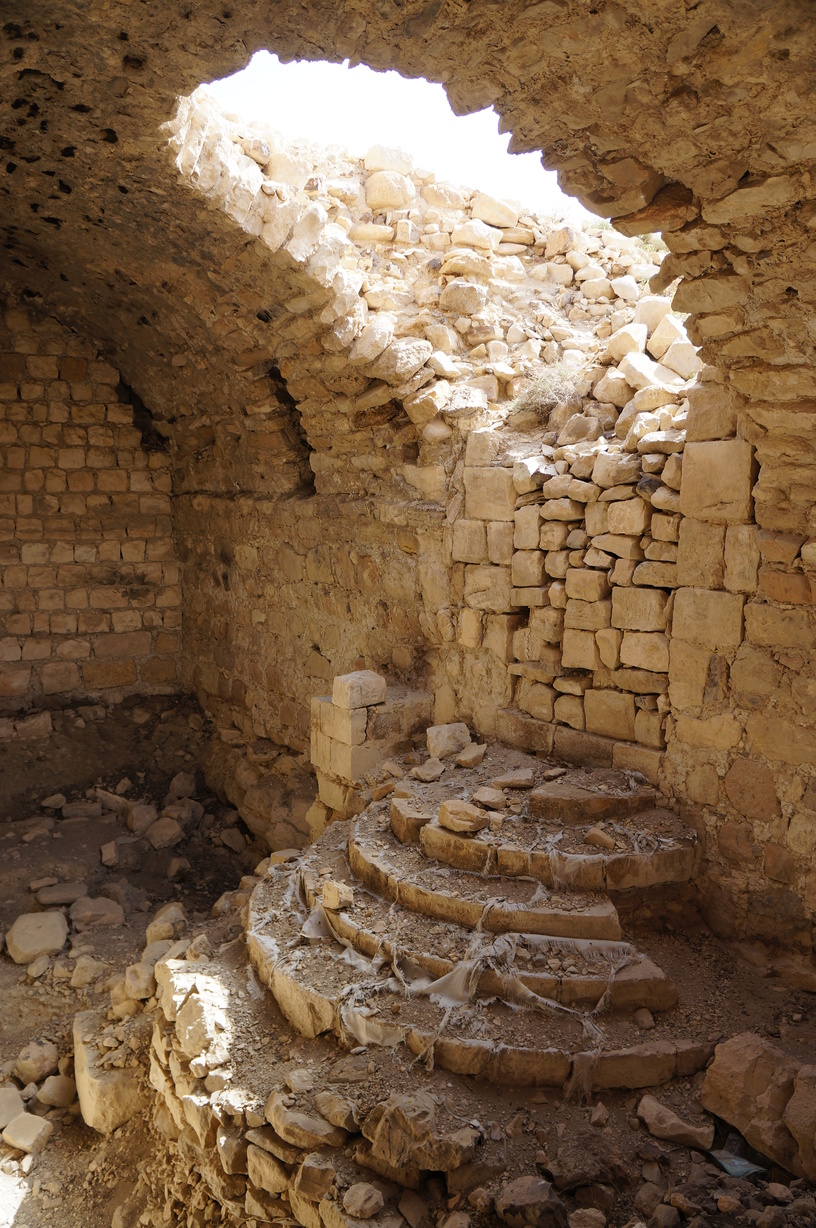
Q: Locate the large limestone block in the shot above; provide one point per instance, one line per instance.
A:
(709, 619)
(107, 1097)
(611, 713)
(582, 584)
(580, 651)
(388, 190)
(444, 740)
(361, 689)
(645, 650)
(488, 588)
(34, 934)
(629, 517)
(749, 1085)
(717, 480)
(638, 609)
(493, 212)
(490, 494)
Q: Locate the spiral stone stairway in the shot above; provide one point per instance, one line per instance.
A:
(495, 950)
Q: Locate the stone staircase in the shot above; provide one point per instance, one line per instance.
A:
(496, 951)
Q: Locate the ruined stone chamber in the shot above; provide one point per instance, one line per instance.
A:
(274, 419)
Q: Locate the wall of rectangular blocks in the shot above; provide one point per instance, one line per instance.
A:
(90, 603)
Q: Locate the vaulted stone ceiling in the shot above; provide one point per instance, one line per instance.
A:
(651, 104)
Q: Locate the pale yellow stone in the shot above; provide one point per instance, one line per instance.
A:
(645, 650)
(580, 651)
(629, 517)
(638, 609)
(569, 710)
(709, 619)
(717, 481)
(490, 494)
(721, 732)
(611, 713)
(609, 645)
(741, 558)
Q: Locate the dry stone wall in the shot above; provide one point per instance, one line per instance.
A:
(89, 583)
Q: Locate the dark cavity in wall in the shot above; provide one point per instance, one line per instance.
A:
(152, 438)
(296, 433)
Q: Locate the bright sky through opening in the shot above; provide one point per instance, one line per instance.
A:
(331, 104)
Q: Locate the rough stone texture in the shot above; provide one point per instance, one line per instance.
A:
(287, 496)
(107, 1098)
(91, 603)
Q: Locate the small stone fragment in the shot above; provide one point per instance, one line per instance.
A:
(58, 1091)
(36, 1061)
(530, 1201)
(462, 816)
(109, 854)
(165, 833)
(362, 1201)
(361, 689)
(337, 895)
(87, 913)
(338, 1110)
(599, 838)
(432, 769)
(445, 740)
(493, 799)
(644, 1019)
(183, 784)
(471, 756)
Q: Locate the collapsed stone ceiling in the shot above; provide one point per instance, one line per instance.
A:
(654, 108)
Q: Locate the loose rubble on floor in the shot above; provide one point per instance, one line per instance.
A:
(479, 995)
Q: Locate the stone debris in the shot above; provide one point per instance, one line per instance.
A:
(35, 934)
(28, 1133)
(664, 1124)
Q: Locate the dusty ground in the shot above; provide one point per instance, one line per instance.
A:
(82, 1178)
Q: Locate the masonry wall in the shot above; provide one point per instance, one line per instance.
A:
(90, 603)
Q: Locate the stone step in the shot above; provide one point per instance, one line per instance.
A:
(588, 969)
(402, 873)
(585, 797)
(319, 989)
(657, 850)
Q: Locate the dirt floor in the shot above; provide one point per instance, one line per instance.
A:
(81, 1177)
(83, 1180)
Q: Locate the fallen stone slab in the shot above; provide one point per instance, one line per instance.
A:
(28, 1133)
(530, 1202)
(750, 1084)
(663, 1123)
(61, 893)
(458, 816)
(88, 913)
(36, 933)
(107, 1097)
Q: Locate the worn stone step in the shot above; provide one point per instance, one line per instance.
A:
(319, 991)
(639, 982)
(583, 797)
(513, 905)
(523, 848)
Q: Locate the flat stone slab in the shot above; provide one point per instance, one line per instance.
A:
(569, 802)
